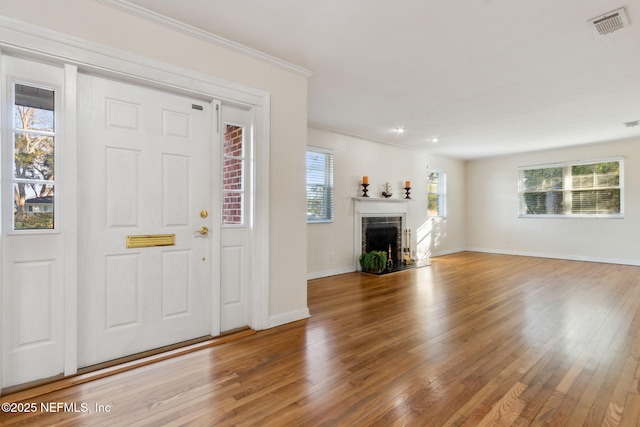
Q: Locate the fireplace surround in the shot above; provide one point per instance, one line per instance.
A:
(379, 223)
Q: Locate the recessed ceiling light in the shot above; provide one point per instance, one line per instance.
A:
(399, 130)
(434, 140)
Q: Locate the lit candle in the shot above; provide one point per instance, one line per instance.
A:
(365, 179)
(407, 184)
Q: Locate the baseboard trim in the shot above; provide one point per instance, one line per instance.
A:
(292, 316)
(558, 256)
(447, 252)
(327, 273)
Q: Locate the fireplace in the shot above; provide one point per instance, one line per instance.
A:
(378, 224)
(383, 234)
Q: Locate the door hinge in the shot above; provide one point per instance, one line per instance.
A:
(218, 118)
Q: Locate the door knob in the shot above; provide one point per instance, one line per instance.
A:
(204, 230)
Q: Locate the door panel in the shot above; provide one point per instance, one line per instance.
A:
(144, 167)
(175, 277)
(32, 312)
(233, 281)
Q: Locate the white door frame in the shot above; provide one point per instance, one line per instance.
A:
(75, 54)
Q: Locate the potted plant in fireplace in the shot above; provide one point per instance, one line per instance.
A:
(373, 262)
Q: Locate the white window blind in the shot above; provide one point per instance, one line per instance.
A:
(319, 185)
(580, 189)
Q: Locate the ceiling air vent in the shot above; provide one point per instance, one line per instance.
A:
(632, 124)
(609, 22)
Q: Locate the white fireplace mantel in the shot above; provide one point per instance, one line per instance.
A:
(381, 199)
(372, 205)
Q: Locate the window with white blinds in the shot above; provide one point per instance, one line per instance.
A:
(319, 185)
(581, 189)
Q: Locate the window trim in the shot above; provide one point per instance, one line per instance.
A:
(442, 193)
(331, 203)
(565, 165)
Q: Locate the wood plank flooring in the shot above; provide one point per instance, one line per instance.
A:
(473, 340)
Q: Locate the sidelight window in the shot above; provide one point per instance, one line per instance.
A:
(233, 175)
(34, 137)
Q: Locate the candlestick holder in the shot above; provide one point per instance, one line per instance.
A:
(364, 190)
(406, 190)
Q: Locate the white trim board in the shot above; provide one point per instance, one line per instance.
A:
(292, 316)
(447, 252)
(557, 256)
(328, 273)
(17, 37)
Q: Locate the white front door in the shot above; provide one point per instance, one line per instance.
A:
(144, 168)
(237, 191)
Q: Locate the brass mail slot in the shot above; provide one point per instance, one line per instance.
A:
(151, 240)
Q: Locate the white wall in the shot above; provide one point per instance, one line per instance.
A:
(106, 25)
(492, 210)
(331, 245)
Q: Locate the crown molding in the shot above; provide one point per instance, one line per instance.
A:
(165, 21)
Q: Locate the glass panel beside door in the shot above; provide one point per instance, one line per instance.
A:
(33, 157)
(233, 168)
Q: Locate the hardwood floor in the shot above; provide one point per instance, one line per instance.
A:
(474, 339)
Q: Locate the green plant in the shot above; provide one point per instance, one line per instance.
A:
(373, 261)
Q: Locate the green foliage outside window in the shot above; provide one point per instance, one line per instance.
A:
(33, 158)
(579, 189)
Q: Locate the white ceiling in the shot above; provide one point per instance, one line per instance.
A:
(486, 77)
